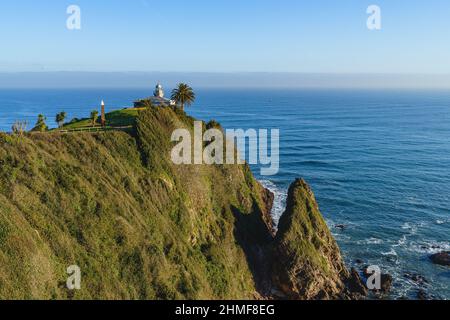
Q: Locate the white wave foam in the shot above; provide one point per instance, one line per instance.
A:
(370, 241)
(392, 252)
(341, 236)
(442, 221)
(413, 227)
(428, 246)
(279, 202)
(406, 226)
(401, 242)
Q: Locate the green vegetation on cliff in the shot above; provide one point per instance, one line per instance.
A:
(141, 227)
(310, 265)
(113, 203)
(117, 118)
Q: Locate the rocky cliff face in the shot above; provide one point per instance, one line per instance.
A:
(140, 227)
(307, 263)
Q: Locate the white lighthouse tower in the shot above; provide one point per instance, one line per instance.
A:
(159, 92)
(103, 116)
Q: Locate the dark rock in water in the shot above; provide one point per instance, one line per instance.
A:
(391, 259)
(366, 272)
(422, 295)
(433, 246)
(386, 283)
(358, 261)
(442, 258)
(417, 278)
(356, 284)
(340, 226)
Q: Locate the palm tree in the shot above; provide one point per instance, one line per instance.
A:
(60, 117)
(94, 117)
(183, 95)
(40, 124)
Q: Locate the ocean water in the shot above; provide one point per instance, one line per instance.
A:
(378, 162)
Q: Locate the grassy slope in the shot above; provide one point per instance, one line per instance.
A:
(311, 266)
(114, 204)
(123, 117)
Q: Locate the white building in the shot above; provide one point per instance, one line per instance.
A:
(157, 100)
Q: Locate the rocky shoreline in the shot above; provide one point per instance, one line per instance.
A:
(302, 261)
(356, 279)
(420, 283)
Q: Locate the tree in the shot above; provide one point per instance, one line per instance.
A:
(60, 117)
(183, 95)
(94, 117)
(40, 126)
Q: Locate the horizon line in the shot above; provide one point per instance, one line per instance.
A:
(236, 72)
(262, 79)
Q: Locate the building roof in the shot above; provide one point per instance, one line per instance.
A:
(158, 98)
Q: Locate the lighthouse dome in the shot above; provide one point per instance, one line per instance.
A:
(159, 92)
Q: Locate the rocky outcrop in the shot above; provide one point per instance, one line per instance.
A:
(422, 295)
(442, 258)
(386, 283)
(416, 278)
(307, 262)
(267, 198)
(355, 283)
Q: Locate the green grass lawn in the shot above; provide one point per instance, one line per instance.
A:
(117, 118)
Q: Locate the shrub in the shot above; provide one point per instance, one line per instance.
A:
(40, 126)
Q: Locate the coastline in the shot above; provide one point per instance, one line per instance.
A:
(414, 213)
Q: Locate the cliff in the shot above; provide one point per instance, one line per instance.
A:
(140, 227)
(308, 261)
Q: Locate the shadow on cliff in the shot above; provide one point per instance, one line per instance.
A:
(255, 239)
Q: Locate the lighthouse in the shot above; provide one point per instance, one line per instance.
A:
(159, 92)
(103, 117)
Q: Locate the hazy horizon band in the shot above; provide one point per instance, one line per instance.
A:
(77, 79)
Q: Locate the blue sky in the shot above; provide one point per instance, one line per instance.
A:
(324, 36)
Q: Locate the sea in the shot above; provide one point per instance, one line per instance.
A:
(378, 162)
